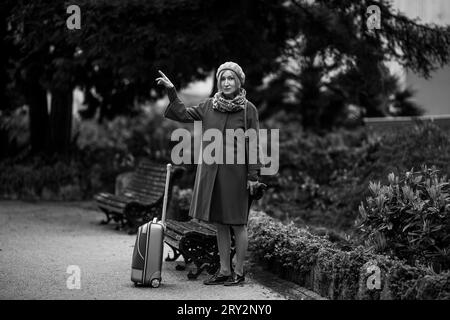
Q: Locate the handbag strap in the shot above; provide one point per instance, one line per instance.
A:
(245, 117)
(245, 131)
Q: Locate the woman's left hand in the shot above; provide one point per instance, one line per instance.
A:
(251, 185)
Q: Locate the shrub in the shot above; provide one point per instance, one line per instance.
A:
(140, 136)
(397, 152)
(33, 179)
(410, 217)
(319, 265)
(59, 178)
(323, 179)
(102, 152)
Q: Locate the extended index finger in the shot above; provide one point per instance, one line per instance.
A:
(161, 73)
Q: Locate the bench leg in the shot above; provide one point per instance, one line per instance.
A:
(194, 275)
(187, 261)
(119, 219)
(108, 217)
(133, 217)
(176, 253)
(202, 253)
(180, 267)
(122, 224)
(210, 265)
(132, 230)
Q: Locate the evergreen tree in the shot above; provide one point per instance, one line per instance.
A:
(337, 62)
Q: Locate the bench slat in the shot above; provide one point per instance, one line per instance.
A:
(153, 170)
(142, 196)
(111, 208)
(120, 201)
(188, 227)
(173, 235)
(149, 173)
(151, 185)
(204, 227)
(110, 196)
(148, 184)
(146, 188)
(111, 199)
(113, 203)
(146, 173)
(151, 166)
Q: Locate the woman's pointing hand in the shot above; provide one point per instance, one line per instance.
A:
(164, 80)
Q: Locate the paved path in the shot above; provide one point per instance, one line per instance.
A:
(38, 241)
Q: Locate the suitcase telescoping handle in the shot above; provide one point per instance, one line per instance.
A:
(166, 192)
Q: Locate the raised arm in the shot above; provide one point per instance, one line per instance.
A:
(176, 110)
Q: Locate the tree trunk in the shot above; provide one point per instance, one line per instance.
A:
(39, 118)
(36, 98)
(61, 121)
(5, 103)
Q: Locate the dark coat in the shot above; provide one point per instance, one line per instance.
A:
(220, 190)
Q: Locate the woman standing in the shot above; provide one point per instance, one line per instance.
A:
(221, 191)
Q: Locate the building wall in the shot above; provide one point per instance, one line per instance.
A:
(432, 94)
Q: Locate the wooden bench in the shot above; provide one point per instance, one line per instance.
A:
(197, 243)
(141, 199)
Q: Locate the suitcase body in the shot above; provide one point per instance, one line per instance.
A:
(147, 258)
(148, 254)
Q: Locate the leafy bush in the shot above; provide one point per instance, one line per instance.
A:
(410, 217)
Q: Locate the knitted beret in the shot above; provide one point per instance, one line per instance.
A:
(233, 67)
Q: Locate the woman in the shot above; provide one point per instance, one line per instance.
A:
(221, 191)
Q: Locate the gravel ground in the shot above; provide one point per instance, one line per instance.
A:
(38, 241)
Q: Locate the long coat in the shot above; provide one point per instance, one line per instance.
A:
(220, 190)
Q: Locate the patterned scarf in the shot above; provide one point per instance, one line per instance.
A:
(224, 105)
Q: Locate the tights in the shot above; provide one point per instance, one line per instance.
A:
(224, 243)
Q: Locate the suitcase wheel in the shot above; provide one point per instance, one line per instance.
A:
(155, 283)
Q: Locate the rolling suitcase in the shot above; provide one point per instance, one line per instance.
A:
(148, 251)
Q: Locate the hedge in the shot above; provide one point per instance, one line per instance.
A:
(320, 265)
